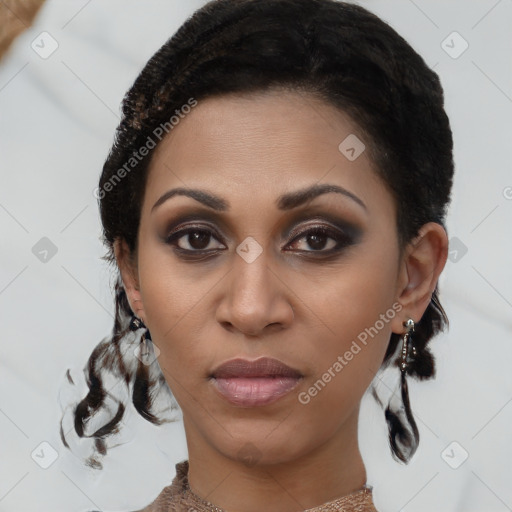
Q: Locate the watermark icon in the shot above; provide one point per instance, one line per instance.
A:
(457, 249)
(44, 45)
(158, 133)
(249, 454)
(454, 455)
(507, 193)
(44, 455)
(44, 250)
(454, 45)
(304, 397)
(352, 147)
(145, 355)
(249, 249)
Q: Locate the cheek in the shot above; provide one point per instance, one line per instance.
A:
(174, 300)
(165, 294)
(168, 290)
(355, 307)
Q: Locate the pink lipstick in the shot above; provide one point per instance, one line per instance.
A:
(254, 383)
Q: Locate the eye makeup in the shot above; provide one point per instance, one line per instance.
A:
(199, 235)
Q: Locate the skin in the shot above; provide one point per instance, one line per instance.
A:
(290, 303)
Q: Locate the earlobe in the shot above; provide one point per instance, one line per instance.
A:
(128, 271)
(424, 261)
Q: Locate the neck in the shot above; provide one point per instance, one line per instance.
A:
(308, 480)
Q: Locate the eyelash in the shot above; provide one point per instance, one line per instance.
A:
(342, 240)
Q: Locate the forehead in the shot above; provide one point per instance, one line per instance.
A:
(259, 146)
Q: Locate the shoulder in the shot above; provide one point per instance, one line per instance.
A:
(170, 498)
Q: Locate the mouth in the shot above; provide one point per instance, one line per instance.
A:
(247, 383)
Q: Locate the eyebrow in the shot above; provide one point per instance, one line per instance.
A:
(286, 201)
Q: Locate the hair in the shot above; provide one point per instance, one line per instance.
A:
(338, 52)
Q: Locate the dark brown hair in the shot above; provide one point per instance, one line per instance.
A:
(336, 51)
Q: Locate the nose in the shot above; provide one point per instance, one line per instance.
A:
(256, 300)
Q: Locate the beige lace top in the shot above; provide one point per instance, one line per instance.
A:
(178, 497)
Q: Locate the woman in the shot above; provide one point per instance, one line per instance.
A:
(275, 203)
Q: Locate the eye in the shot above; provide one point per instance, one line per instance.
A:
(193, 239)
(318, 238)
(198, 240)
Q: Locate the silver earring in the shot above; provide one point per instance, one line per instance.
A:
(408, 349)
(136, 323)
(403, 431)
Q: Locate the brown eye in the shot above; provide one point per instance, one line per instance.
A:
(320, 239)
(198, 239)
(192, 239)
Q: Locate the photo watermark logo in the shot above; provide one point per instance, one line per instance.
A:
(158, 133)
(304, 397)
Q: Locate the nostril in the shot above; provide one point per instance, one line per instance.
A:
(227, 325)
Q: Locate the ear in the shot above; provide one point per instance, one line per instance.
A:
(424, 259)
(129, 274)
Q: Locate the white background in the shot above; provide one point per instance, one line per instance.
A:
(57, 120)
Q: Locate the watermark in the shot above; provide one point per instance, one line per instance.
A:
(249, 454)
(507, 193)
(249, 249)
(454, 455)
(44, 250)
(44, 45)
(454, 45)
(44, 455)
(304, 397)
(351, 147)
(457, 249)
(158, 133)
(145, 355)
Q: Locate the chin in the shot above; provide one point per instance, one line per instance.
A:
(264, 447)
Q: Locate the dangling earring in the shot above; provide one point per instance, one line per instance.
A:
(403, 431)
(408, 348)
(136, 323)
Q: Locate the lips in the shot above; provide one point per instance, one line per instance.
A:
(254, 383)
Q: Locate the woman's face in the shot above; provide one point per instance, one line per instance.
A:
(249, 269)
